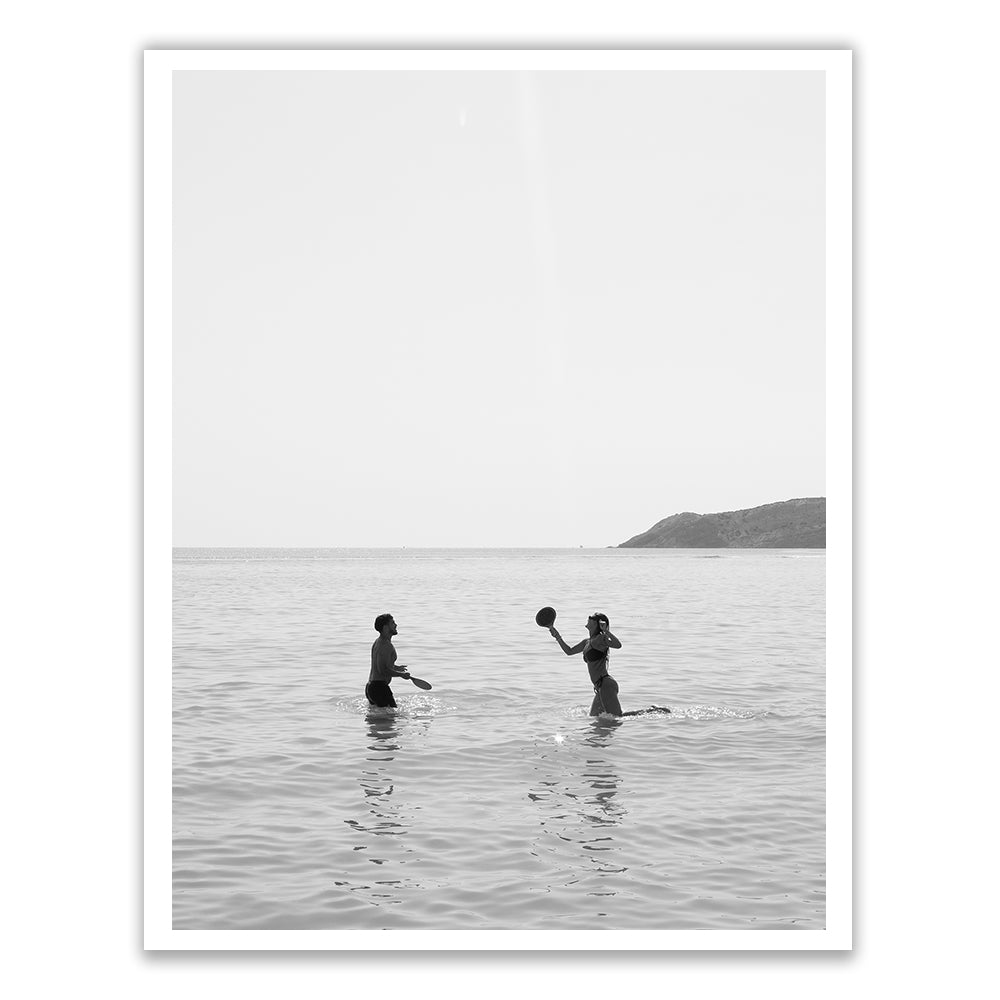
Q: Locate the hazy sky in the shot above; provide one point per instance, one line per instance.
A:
(456, 308)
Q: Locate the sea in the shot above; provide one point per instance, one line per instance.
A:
(494, 800)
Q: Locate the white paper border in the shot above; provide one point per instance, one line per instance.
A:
(157, 480)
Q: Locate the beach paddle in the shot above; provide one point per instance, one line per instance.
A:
(546, 617)
(425, 685)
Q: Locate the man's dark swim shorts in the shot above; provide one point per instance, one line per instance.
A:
(379, 694)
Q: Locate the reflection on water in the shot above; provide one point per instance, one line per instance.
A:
(385, 813)
(604, 809)
(376, 778)
(578, 790)
(609, 809)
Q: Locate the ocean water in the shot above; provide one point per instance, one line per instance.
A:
(494, 801)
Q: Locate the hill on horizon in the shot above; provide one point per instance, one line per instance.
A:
(787, 524)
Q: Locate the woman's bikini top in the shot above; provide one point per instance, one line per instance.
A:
(591, 655)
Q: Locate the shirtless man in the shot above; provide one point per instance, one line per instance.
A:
(383, 665)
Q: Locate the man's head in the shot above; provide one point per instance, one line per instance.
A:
(385, 625)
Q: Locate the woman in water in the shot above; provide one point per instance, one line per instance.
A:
(595, 655)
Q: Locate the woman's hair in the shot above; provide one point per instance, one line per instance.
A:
(599, 616)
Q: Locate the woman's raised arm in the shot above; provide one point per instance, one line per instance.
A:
(568, 650)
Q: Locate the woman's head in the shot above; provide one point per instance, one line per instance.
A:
(595, 621)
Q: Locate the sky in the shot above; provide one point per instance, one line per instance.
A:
(492, 309)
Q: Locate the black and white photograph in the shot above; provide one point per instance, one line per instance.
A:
(494, 499)
(496, 406)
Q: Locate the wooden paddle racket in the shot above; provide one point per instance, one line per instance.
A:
(546, 617)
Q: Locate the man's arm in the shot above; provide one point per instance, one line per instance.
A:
(568, 650)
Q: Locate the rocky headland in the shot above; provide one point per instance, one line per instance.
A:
(788, 524)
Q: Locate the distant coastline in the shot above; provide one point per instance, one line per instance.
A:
(787, 524)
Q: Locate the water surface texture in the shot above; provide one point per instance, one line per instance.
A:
(494, 801)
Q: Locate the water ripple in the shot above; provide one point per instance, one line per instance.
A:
(495, 800)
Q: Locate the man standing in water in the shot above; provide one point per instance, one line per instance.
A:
(383, 665)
